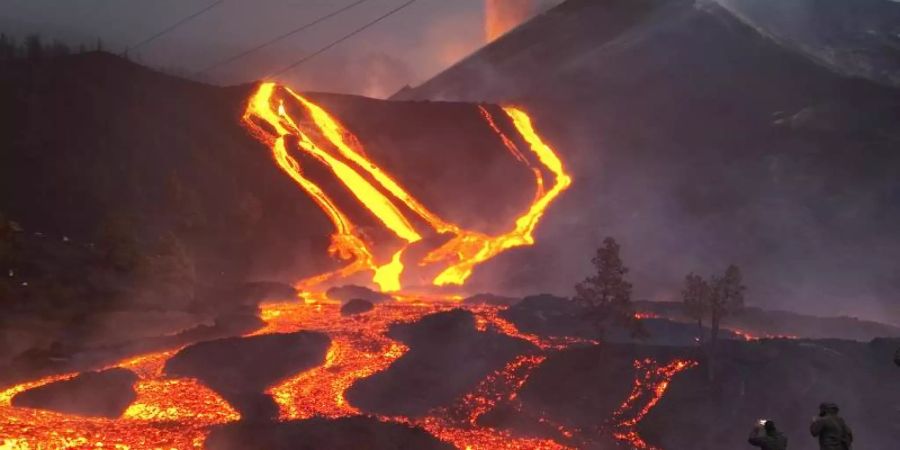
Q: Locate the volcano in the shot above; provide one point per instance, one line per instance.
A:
(700, 140)
(194, 266)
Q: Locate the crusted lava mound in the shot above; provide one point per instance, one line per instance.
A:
(356, 306)
(105, 393)
(548, 315)
(353, 433)
(241, 368)
(447, 358)
(487, 298)
(351, 291)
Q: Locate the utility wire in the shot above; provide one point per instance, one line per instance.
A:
(279, 38)
(175, 25)
(344, 38)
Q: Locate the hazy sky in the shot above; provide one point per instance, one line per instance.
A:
(408, 47)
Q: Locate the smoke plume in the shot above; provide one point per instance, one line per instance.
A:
(503, 15)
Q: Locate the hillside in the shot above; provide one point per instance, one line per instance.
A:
(697, 141)
(135, 204)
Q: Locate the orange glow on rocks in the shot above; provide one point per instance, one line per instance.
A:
(178, 413)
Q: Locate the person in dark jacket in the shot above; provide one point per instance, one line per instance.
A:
(767, 437)
(832, 431)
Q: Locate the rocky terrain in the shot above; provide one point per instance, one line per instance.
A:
(134, 204)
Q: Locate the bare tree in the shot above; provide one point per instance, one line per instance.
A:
(607, 295)
(727, 297)
(696, 299)
(716, 298)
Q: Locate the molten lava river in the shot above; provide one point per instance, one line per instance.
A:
(178, 413)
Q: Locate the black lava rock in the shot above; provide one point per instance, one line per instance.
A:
(241, 368)
(351, 291)
(352, 433)
(102, 394)
(447, 358)
(356, 306)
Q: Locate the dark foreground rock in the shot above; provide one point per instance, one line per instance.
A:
(353, 433)
(356, 306)
(784, 381)
(103, 394)
(781, 380)
(448, 357)
(240, 369)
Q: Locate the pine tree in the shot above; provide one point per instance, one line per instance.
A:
(607, 295)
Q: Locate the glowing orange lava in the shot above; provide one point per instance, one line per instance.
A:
(177, 413)
(747, 336)
(168, 412)
(650, 385)
(270, 117)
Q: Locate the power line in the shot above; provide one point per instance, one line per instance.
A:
(176, 25)
(344, 38)
(279, 38)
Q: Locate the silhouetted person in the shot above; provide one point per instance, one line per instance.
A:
(767, 437)
(897, 357)
(832, 431)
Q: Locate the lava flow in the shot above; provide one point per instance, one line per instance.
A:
(650, 384)
(288, 122)
(178, 413)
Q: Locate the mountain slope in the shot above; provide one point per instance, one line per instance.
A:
(124, 189)
(697, 142)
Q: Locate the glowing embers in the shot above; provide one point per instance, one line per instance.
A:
(270, 116)
(177, 413)
(650, 384)
(168, 413)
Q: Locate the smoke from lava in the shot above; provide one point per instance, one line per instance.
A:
(501, 16)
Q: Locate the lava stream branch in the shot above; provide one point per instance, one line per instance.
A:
(650, 384)
(466, 249)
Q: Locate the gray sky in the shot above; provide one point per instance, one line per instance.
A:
(408, 47)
